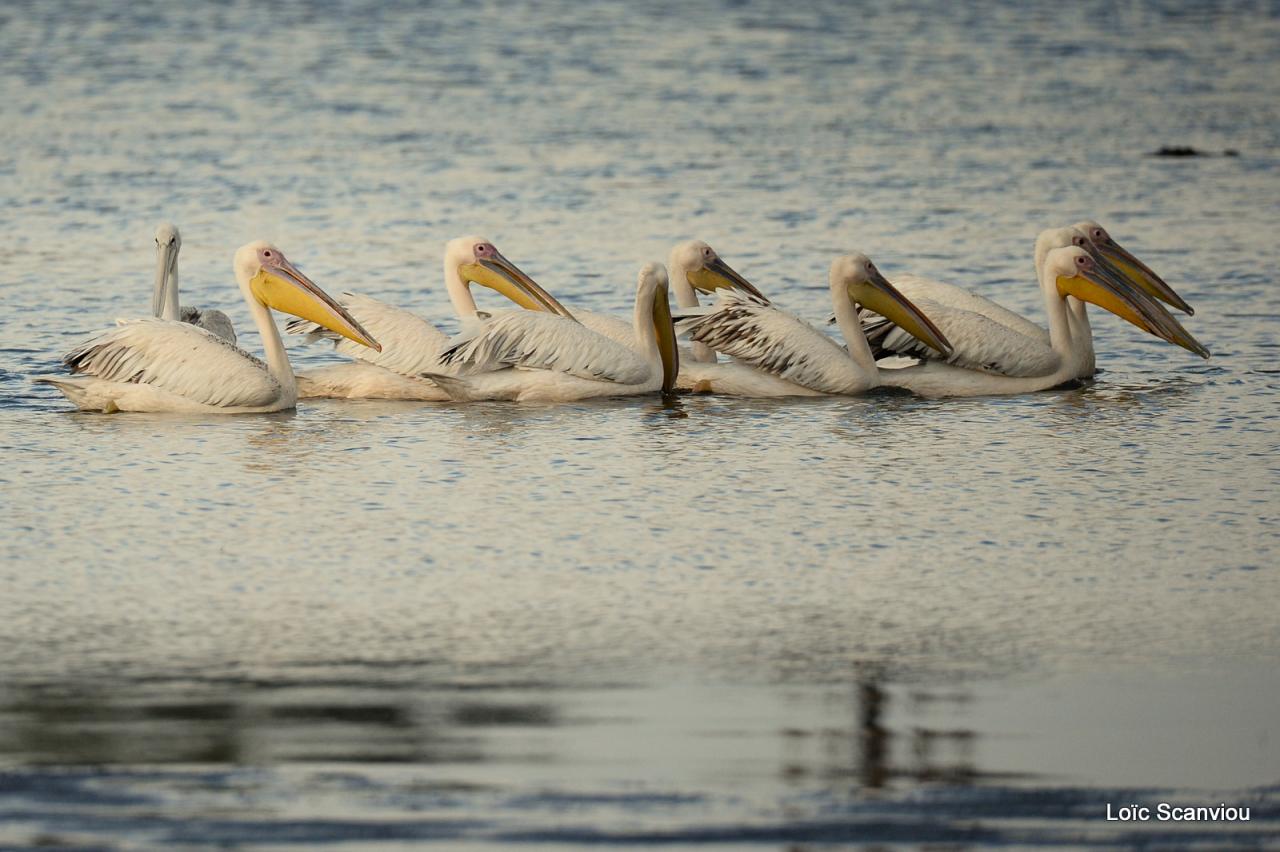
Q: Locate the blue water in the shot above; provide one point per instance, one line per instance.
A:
(700, 622)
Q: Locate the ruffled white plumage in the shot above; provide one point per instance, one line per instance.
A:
(917, 288)
(537, 341)
(174, 358)
(984, 335)
(410, 344)
(775, 342)
(614, 328)
(980, 343)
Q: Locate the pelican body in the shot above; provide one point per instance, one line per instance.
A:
(990, 338)
(166, 365)
(164, 293)
(526, 356)
(778, 354)
(1065, 273)
(411, 346)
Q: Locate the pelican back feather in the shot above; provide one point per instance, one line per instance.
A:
(410, 344)
(917, 289)
(177, 357)
(978, 342)
(540, 341)
(774, 341)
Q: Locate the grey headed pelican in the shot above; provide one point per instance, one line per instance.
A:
(526, 356)
(411, 346)
(1067, 272)
(164, 293)
(165, 365)
(987, 336)
(777, 354)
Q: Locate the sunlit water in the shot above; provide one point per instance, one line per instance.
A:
(698, 622)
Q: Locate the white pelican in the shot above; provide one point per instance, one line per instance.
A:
(527, 356)
(1064, 272)
(1135, 270)
(1103, 247)
(412, 346)
(164, 294)
(778, 354)
(164, 365)
(693, 267)
(987, 336)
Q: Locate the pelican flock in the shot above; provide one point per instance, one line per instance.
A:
(1068, 272)
(158, 364)
(778, 354)
(992, 343)
(932, 338)
(412, 346)
(526, 356)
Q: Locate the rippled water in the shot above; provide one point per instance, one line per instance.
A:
(697, 622)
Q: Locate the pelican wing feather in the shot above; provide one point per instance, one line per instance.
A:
(774, 341)
(177, 357)
(614, 328)
(978, 342)
(410, 344)
(540, 341)
(918, 289)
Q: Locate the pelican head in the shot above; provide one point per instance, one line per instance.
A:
(1123, 275)
(167, 234)
(1055, 238)
(168, 242)
(1135, 270)
(267, 275)
(856, 275)
(1075, 272)
(651, 289)
(707, 272)
(478, 261)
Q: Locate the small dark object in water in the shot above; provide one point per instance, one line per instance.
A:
(1188, 151)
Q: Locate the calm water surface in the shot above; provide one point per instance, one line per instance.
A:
(700, 622)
